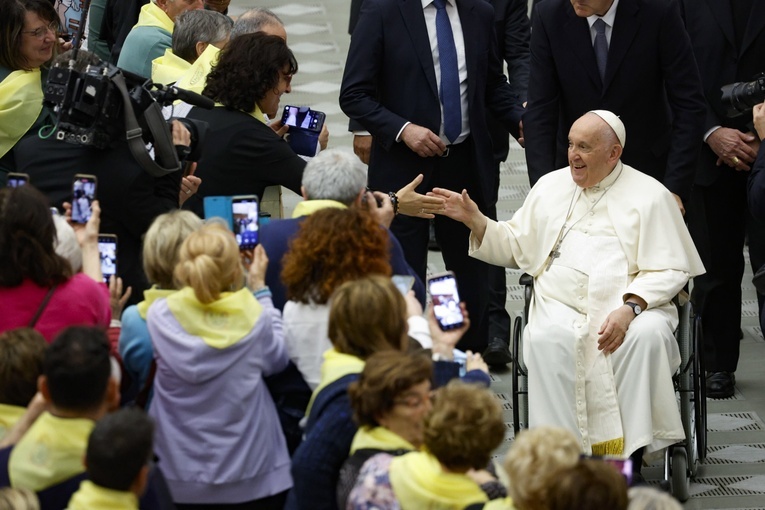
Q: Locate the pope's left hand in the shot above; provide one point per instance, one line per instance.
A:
(614, 329)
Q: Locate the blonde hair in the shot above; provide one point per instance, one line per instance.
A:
(162, 243)
(209, 263)
(538, 456)
(18, 499)
(648, 498)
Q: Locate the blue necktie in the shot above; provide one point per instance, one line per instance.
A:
(601, 46)
(450, 78)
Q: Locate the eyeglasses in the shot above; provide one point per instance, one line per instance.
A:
(41, 32)
(413, 400)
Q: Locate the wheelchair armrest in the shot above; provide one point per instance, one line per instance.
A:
(526, 279)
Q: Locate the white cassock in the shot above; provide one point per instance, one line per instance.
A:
(627, 236)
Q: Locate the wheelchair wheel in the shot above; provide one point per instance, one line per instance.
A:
(520, 394)
(680, 479)
(699, 390)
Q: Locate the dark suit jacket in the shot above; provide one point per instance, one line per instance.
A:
(241, 156)
(275, 237)
(511, 24)
(389, 79)
(757, 186)
(710, 26)
(651, 82)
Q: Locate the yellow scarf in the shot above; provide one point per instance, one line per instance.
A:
(419, 481)
(90, 496)
(379, 438)
(500, 504)
(50, 452)
(336, 365)
(219, 324)
(21, 101)
(151, 295)
(196, 77)
(153, 16)
(9, 415)
(308, 207)
(168, 68)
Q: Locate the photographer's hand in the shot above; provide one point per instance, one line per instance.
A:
(732, 148)
(87, 236)
(279, 128)
(382, 213)
(189, 184)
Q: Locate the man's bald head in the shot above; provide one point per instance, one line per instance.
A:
(594, 149)
(259, 20)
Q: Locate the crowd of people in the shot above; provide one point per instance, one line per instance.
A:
(297, 374)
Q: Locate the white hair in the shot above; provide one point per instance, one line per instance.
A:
(334, 174)
(66, 243)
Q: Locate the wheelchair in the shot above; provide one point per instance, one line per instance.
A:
(681, 460)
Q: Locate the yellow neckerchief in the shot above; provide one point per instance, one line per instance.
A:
(219, 324)
(50, 452)
(9, 415)
(152, 16)
(379, 438)
(196, 77)
(168, 68)
(336, 365)
(255, 114)
(419, 481)
(90, 496)
(308, 207)
(500, 504)
(21, 101)
(151, 295)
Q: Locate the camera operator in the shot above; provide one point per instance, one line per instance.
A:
(130, 197)
(728, 49)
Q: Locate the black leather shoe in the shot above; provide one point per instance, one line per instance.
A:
(497, 353)
(720, 384)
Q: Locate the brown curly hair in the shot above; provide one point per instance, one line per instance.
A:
(464, 426)
(248, 67)
(386, 375)
(333, 246)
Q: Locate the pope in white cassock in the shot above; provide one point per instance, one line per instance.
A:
(608, 250)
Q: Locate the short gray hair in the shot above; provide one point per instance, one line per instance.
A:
(66, 243)
(196, 26)
(334, 174)
(254, 20)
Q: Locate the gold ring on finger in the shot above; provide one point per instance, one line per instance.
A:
(735, 160)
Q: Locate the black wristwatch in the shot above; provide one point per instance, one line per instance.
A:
(635, 308)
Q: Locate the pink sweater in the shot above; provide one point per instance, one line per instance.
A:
(79, 301)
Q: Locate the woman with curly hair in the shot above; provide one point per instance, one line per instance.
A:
(332, 247)
(242, 154)
(463, 428)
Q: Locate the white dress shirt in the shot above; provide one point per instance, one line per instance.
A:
(608, 18)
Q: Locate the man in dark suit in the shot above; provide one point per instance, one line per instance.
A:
(728, 38)
(406, 65)
(632, 57)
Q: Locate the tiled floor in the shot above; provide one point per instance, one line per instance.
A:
(734, 474)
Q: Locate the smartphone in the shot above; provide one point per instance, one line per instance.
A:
(16, 180)
(446, 300)
(403, 282)
(302, 117)
(219, 207)
(83, 194)
(245, 213)
(107, 249)
(624, 466)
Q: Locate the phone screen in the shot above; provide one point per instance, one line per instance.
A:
(107, 249)
(303, 118)
(16, 180)
(245, 215)
(446, 301)
(83, 194)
